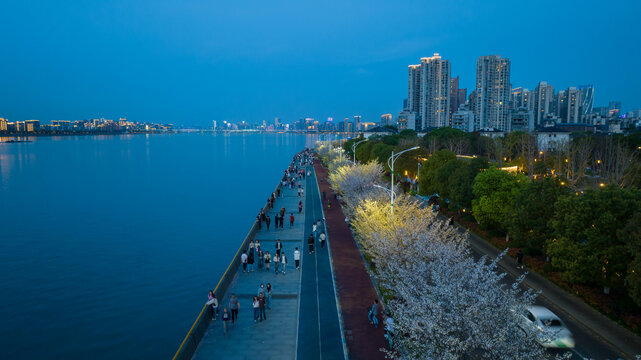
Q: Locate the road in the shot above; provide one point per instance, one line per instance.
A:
(588, 344)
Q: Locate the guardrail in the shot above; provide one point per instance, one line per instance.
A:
(197, 331)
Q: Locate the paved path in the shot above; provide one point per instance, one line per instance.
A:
(355, 288)
(292, 329)
(319, 334)
(274, 338)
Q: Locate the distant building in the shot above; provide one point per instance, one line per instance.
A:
(493, 90)
(454, 97)
(4, 124)
(435, 92)
(357, 123)
(492, 133)
(549, 138)
(386, 119)
(543, 102)
(32, 125)
(428, 92)
(587, 99)
(522, 119)
(406, 120)
(614, 108)
(368, 125)
(463, 119)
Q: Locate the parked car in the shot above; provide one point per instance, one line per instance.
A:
(551, 331)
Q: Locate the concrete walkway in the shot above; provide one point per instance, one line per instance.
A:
(292, 329)
(274, 338)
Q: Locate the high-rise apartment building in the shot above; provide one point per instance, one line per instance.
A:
(543, 102)
(493, 90)
(587, 97)
(435, 92)
(413, 88)
(357, 122)
(454, 97)
(3, 124)
(522, 98)
(428, 93)
(573, 105)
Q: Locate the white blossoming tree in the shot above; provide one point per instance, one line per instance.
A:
(445, 304)
(354, 183)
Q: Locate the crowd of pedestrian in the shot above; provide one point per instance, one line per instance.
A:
(255, 258)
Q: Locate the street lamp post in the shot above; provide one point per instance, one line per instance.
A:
(390, 163)
(354, 150)
(418, 175)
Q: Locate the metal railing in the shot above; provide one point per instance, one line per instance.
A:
(197, 331)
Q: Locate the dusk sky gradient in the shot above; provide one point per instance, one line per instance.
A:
(191, 62)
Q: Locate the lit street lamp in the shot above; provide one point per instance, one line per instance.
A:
(354, 149)
(390, 163)
(418, 175)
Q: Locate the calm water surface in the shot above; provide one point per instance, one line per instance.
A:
(108, 244)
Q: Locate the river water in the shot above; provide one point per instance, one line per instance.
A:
(109, 244)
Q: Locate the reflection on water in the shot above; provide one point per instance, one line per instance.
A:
(109, 243)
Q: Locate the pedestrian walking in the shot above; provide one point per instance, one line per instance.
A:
(276, 263)
(250, 262)
(234, 305)
(519, 259)
(269, 295)
(261, 259)
(318, 225)
(372, 315)
(283, 262)
(251, 247)
(300, 207)
(261, 307)
(212, 301)
(225, 321)
(310, 242)
(291, 220)
(282, 221)
(279, 247)
(322, 237)
(268, 220)
(261, 289)
(276, 219)
(256, 306)
(297, 258)
(258, 221)
(302, 192)
(315, 231)
(243, 259)
(268, 259)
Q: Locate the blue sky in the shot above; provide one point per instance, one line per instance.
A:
(191, 62)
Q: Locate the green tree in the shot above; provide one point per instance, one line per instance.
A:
(631, 235)
(461, 181)
(427, 180)
(494, 190)
(381, 152)
(532, 209)
(586, 248)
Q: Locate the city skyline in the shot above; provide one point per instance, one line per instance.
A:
(224, 62)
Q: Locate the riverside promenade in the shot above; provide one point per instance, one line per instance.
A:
(303, 321)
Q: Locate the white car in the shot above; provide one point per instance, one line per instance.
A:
(551, 331)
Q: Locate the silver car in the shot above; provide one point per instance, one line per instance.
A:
(551, 331)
